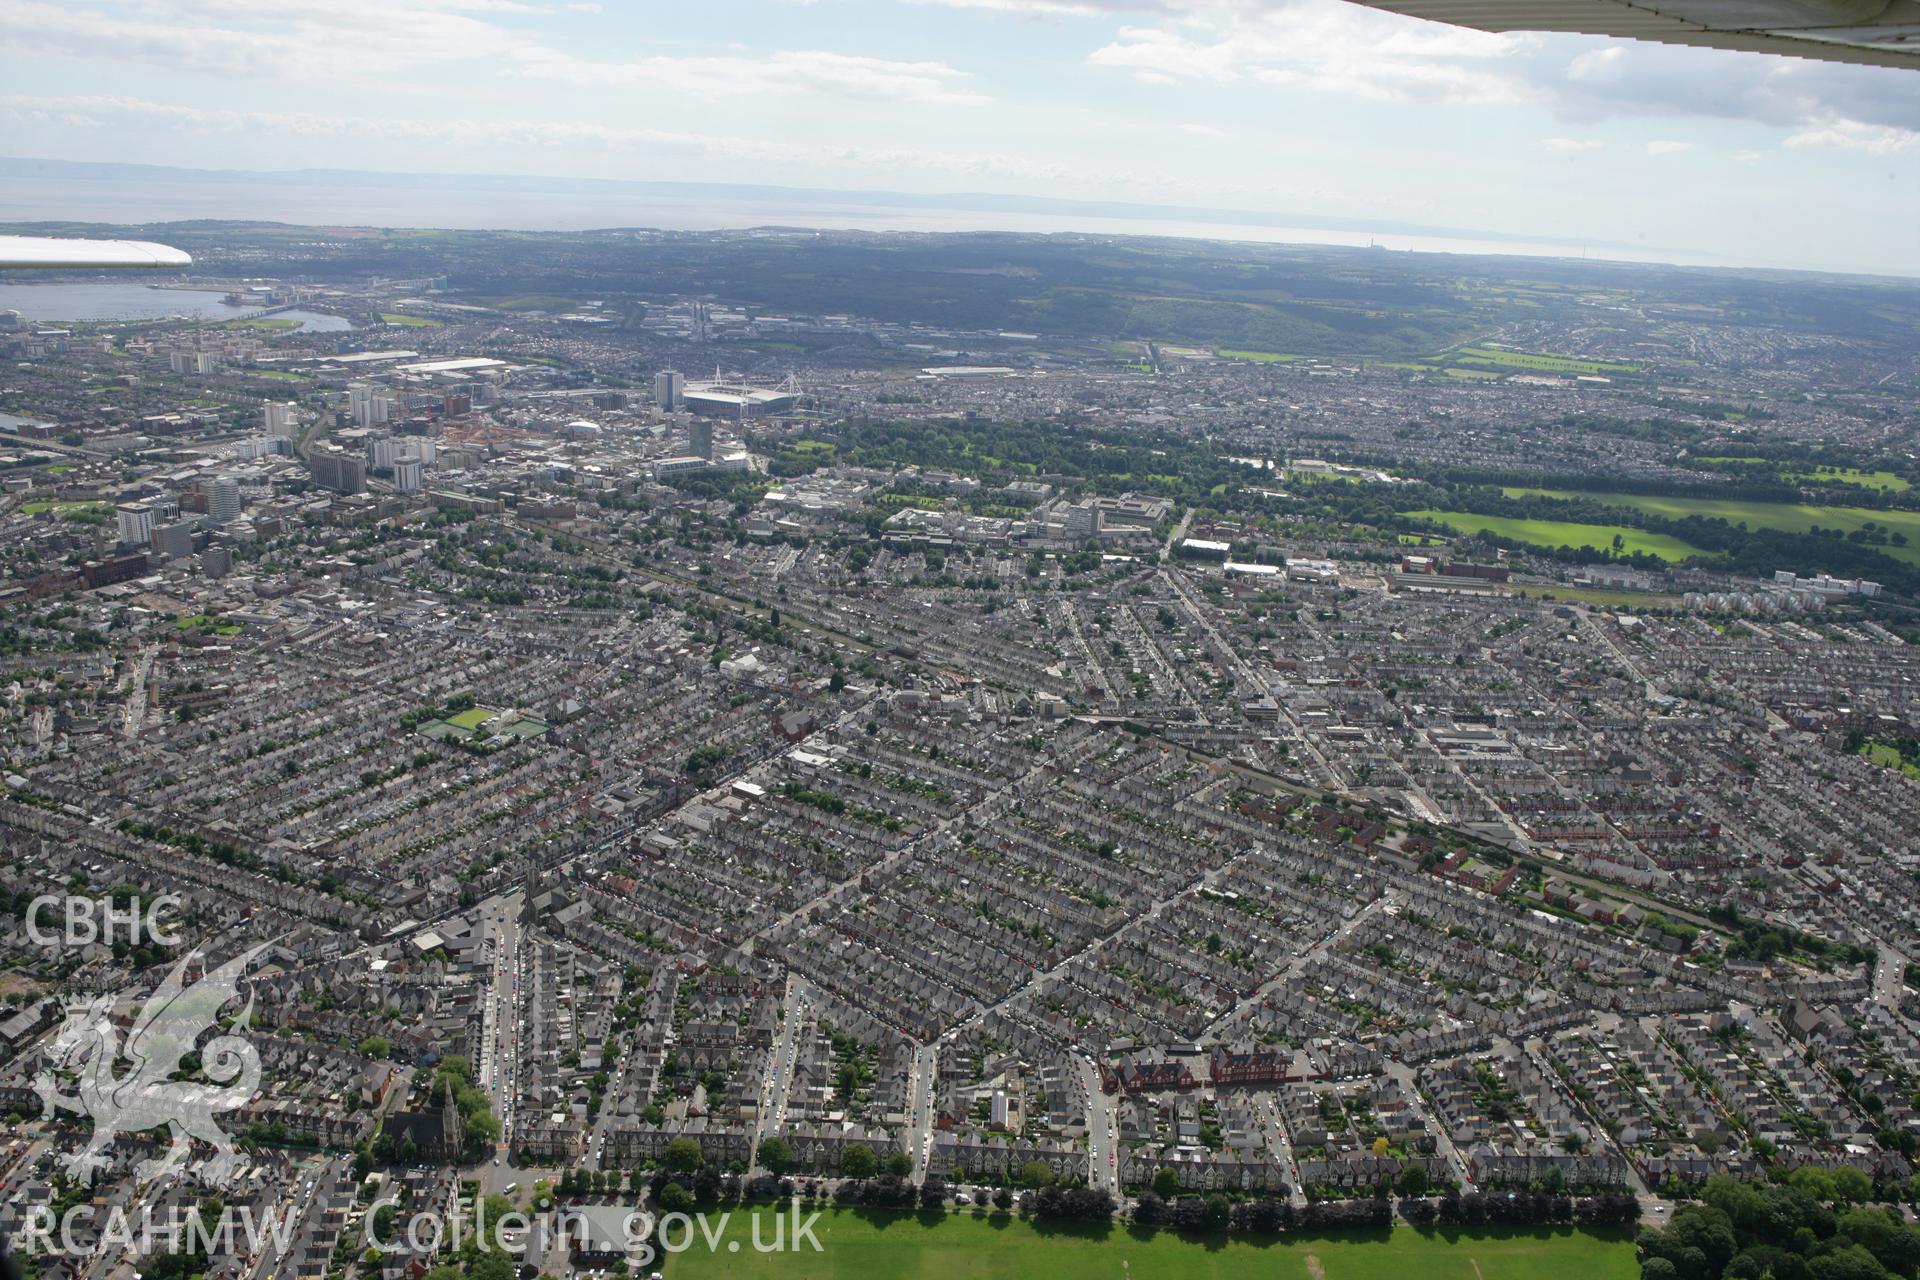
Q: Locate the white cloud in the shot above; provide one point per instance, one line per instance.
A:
(1332, 47)
(1052, 8)
(303, 39)
(1342, 51)
(803, 70)
(1205, 131)
(1667, 147)
(1571, 144)
(1850, 135)
(1162, 56)
(328, 39)
(1325, 46)
(122, 113)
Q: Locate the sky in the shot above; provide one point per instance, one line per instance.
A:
(1304, 107)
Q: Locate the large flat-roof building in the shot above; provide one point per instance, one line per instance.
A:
(734, 400)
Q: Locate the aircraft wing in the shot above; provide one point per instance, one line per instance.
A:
(1883, 33)
(20, 252)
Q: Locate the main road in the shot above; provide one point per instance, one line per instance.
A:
(1103, 1135)
(498, 1068)
(778, 1084)
(922, 1098)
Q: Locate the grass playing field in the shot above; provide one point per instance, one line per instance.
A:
(1829, 475)
(76, 510)
(1564, 533)
(1540, 362)
(1790, 517)
(1853, 475)
(1257, 357)
(861, 1244)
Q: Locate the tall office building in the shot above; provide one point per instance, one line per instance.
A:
(216, 561)
(341, 472)
(277, 417)
(223, 500)
(174, 541)
(700, 438)
(136, 524)
(407, 471)
(369, 406)
(382, 450)
(667, 389)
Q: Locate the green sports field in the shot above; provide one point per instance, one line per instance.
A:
(1257, 357)
(1564, 533)
(78, 509)
(1827, 474)
(1853, 475)
(1540, 362)
(859, 1244)
(1789, 517)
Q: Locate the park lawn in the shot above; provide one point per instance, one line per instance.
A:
(1888, 757)
(1257, 357)
(1831, 475)
(207, 622)
(282, 375)
(410, 322)
(1789, 517)
(276, 323)
(1565, 533)
(472, 717)
(1853, 475)
(79, 510)
(1541, 362)
(859, 1244)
